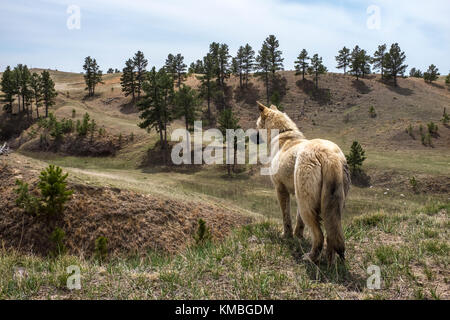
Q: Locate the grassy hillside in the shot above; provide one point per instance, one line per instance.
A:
(387, 224)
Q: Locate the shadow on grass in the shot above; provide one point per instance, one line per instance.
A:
(400, 90)
(248, 95)
(320, 95)
(337, 273)
(360, 86)
(128, 108)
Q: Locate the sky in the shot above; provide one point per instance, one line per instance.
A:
(46, 34)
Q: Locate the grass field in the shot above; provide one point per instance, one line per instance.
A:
(387, 224)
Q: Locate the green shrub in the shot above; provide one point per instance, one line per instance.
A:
(203, 234)
(413, 183)
(74, 113)
(101, 248)
(57, 238)
(24, 200)
(445, 118)
(54, 192)
(410, 131)
(67, 125)
(356, 157)
(56, 131)
(432, 129)
(83, 127)
(372, 112)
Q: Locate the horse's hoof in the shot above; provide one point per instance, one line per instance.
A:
(308, 257)
(287, 235)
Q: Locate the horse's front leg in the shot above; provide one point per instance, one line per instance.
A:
(284, 201)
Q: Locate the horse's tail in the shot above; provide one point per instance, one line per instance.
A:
(335, 185)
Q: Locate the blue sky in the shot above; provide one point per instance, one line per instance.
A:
(35, 32)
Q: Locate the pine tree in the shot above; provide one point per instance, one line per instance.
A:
(367, 60)
(263, 65)
(356, 157)
(360, 62)
(110, 70)
(248, 60)
(416, 73)
(227, 120)
(394, 62)
(301, 64)
(269, 62)
(140, 66)
(54, 192)
(8, 87)
(343, 59)
(24, 87)
(180, 68)
(221, 60)
(48, 91)
(170, 65)
(176, 67)
(378, 59)
(155, 107)
(128, 80)
(17, 74)
(223, 64)
(432, 74)
(92, 75)
(186, 105)
(208, 86)
(238, 65)
(317, 68)
(36, 86)
(196, 67)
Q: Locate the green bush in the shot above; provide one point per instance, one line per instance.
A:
(356, 157)
(372, 112)
(57, 237)
(445, 118)
(410, 131)
(101, 248)
(24, 200)
(432, 129)
(83, 127)
(54, 194)
(203, 234)
(413, 183)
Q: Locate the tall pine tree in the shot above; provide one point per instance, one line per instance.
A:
(317, 68)
(269, 62)
(378, 59)
(9, 89)
(394, 62)
(156, 105)
(140, 66)
(128, 80)
(36, 87)
(92, 75)
(301, 64)
(48, 91)
(343, 59)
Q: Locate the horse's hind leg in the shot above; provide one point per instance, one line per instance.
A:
(284, 200)
(300, 225)
(311, 219)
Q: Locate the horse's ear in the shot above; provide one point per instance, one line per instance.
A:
(274, 107)
(262, 107)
